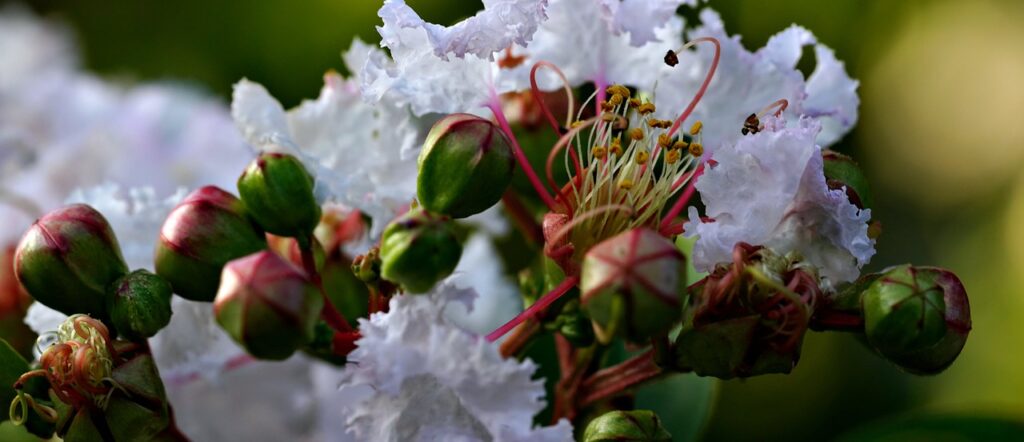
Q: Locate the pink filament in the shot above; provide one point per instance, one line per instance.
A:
(703, 87)
(517, 151)
(684, 199)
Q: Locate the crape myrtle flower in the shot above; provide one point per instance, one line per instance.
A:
(362, 155)
(416, 376)
(769, 189)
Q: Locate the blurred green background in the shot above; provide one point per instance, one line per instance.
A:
(941, 136)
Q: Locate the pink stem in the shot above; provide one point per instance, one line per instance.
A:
(683, 200)
(495, 107)
(534, 309)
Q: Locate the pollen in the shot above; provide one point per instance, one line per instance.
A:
(660, 124)
(615, 100)
(619, 89)
(608, 117)
(626, 184)
(636, 134)
(672, 156)
(664, 140)
(576, 124)
(607, 106)
(696, 149)
(642, 156)
(680, 144)
(695, 129)
(599, 152)
(646, 108)
(616, 147)
(634, 103)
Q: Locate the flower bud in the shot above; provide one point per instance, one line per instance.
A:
(917, 317)
(278, 192)
(630, 285)
(267, 305)
(842, 171)
(634, 425)
(68, 258)
(205, 231)
(465, 166)
(418, 250)
(139, 304)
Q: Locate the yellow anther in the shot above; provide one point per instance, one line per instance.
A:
(608, 117)
(626, 184)
(619, 89)
(680, 144)
(616, 147)
(660, 124)
(642, 156)
(634, 103)
(664, 140)
(575, 124)
(599, 152)
(672, 156)
(695, 129)
(607, 106)
(636, 134)
(615, 100)
(696, 149)
(646, 108)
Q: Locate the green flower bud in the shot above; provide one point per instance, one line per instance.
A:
(635, 425)
(917, 317)
(68, 258)
(465, 165)
(842, 171)
(630, 285)
(267, 305)
(419, 249)
(278, 192)
(139, 304)
(205, 231)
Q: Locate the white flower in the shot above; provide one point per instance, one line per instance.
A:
(30, 48)
(363, 155)
(490, 297)
(499, 25)
(769, 189)
(417, 377)
(586, 39)
(746, 83)
(640, 18)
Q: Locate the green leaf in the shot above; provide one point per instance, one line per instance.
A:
(12, 366)
(683, 401)
(934, 427)
(14, 433)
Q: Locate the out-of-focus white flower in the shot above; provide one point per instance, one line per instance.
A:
(746, 83)
(363, 155)
(415, 376)
(480, 274)
(30, 48)
(499, 25)
(769, 189)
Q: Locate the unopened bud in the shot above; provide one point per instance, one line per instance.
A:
(205, 231)
(139, 304)
(842, 171)
(631, 283)
(418, 250)
(634, 425)
(267, 305)
(278, 193)
(68, 258)
(917, 317)
(464, 167)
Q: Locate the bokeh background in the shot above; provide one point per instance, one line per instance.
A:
(941, 137)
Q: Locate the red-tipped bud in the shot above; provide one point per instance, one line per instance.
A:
(139, 304)
(68, 258)
(208, 229)
(278, 191)
(267, 305)
(418, 250)
(631, 285)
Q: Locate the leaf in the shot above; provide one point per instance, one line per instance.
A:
(934, 427)
(13, 433)
(683, 401)
(12, 366)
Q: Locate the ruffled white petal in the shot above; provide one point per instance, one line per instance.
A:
(831, 96)
(640, 18)
(769, 189)
(501, 24)
(480, 277)
(415, 376)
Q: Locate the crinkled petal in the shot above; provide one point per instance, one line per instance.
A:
(412, 356)
(259, 116)
(31, 47)
(640, 18)
(501, 24)
(831, 96)
(769, 189)
(480, 278)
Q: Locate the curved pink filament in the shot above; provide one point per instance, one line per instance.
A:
(495, 106)
(684, 199)
(703, 87)
(562, 142)
(540, 100)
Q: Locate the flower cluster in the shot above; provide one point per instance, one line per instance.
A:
(361, 252)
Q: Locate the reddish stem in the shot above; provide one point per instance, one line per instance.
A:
(519, 338)
(537, 307)
(838, 321)
(329, 313)
(614, 380)
(517, 151)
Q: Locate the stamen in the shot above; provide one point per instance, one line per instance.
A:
(680, 203)
(782, 104)
(696, 150)
(537, 94)
(646, 108)
(704, 86)
(695, 129)
(517, 152)
(636, 134)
